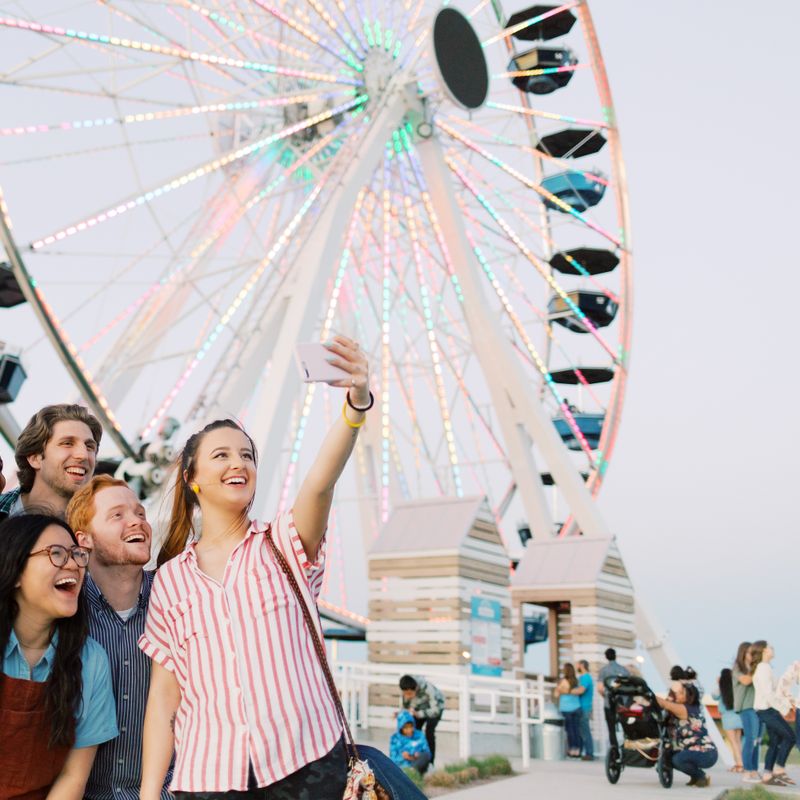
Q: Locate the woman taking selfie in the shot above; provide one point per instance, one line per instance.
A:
(56, 699)
(238, 686)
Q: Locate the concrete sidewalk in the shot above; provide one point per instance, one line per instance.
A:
(569, 780)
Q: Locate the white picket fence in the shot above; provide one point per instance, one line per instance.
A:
(483, 702)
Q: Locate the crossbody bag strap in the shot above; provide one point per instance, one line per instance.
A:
(318, 646)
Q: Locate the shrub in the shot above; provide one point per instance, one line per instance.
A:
(467, 775)
(496, 765)
(442, 778)
(754, 793)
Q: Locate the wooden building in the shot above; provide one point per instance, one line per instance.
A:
(588, 595)
(429, 562)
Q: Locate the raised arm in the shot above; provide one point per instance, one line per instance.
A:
(313, 502)
(159, 730)
(676, 709)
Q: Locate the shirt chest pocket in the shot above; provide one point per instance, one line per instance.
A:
(189, 621)
(271, 593)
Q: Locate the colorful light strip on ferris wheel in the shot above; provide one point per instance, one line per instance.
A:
(433, 344)
(216, 17)
(153, 116)
(174, 52)
(529, 346)
(525, 250)
(189, 177)
(208, 242)
(533, 112)
(233, 308)
(507, 168)
(327, 328)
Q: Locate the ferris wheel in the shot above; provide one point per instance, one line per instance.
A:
(191, 188)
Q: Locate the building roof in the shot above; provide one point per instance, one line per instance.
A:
(439, 523)
(562, 562)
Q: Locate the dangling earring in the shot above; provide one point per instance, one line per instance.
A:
(196, 488)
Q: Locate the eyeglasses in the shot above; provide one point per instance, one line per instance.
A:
(60, 555)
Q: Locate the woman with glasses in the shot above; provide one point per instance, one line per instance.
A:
(56, 699)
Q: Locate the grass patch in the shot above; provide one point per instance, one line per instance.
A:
(755, 793)
(461, 773)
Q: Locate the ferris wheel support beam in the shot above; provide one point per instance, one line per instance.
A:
(65, 351)
(303, 297)
(517, 409)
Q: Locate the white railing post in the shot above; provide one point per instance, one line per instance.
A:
(523, 724)
(463, 718)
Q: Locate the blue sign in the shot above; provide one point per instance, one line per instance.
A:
(487, 637)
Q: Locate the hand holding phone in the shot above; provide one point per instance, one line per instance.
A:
(312, 361)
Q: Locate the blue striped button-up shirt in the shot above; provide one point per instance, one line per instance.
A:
(117, 770)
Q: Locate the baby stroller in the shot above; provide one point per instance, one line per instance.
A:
(646, 741)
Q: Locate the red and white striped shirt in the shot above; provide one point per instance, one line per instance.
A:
(252, 689)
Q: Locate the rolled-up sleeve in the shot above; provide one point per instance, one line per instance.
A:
(96, 721)
(156, 641)
(290, 544)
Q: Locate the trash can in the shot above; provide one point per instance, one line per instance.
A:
(547, 740)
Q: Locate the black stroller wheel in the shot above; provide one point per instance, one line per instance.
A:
(613, 765)
(664, 768)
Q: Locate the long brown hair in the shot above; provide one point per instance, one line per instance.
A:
(64, 685)
(740, 662)
(569, 675)
(184, 500)
(756, 654)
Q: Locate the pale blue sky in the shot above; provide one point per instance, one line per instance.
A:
(701, 493)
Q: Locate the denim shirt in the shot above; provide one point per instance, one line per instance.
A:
(96, 720)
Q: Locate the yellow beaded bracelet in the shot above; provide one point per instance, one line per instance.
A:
(351, 424)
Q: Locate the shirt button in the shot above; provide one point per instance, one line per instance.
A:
(125, 662)
(122, 730)
(124, 697)
(120, 761)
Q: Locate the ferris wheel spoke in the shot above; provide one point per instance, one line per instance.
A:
(538, 188)
(304, 31)
(525, 250)
(178, 53)
(185, 178)
(354, 48)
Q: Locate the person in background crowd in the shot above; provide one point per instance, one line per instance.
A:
(585, 691)
(771, 706)
(788, 685)
(743, 697)
(409, 747)
(426, 704)
(731, 721)
(56, 455)
(237, 686)
(569, 705)
(611, 669)
(694, 751)
(56, 700)
(2, 481)
(108, 518)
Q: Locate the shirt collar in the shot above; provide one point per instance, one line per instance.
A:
(13, 644)
(255, 527)
(98, 601)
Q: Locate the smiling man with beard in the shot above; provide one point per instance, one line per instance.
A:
(56, 455)
(107, 517)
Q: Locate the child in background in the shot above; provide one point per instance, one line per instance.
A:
(409, 747)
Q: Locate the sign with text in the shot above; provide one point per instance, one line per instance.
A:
(487, 637)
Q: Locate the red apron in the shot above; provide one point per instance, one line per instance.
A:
(28, 767)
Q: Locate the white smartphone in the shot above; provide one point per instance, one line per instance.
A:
(311, 358)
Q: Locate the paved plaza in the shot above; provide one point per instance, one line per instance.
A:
(580, 781)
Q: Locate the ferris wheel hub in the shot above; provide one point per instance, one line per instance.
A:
(378, 70)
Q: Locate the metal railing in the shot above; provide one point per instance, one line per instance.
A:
(509, 705)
